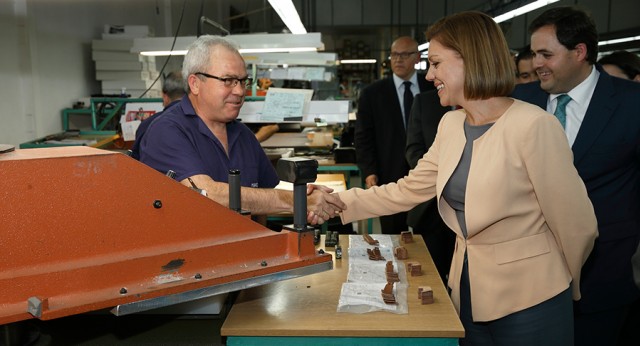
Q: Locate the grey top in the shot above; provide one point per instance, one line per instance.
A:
(455, 190)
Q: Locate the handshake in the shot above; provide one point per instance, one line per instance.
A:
(322, 204)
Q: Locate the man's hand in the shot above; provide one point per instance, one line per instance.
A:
(371, 180)
(321, 205)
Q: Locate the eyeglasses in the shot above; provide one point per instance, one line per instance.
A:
(229, 82)
(403, 55)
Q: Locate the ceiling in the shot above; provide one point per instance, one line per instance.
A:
(373, 24)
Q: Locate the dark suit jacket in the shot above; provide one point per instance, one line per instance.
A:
(426, 113)
(380, 135)
(607, 157)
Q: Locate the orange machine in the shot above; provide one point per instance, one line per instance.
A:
(84, 229)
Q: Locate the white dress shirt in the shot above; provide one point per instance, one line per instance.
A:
(415, 89)
(577, 107)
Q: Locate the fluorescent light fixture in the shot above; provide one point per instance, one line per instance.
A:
(423, 46)
(289, 15)
(248, 43)
(164, 52)
(619, 40)
(358, 61)
(522, 10)
(297, 59)
(276, 50)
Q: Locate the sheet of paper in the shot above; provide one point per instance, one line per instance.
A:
(134, 113)
(366, 297)
(129, 129)
(285, 104)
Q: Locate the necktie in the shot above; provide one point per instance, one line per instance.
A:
(560, 111)
(407, 102)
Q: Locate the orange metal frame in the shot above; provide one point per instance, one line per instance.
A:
(85, 229)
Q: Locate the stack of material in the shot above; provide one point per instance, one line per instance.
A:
(415, 268)
(375, 254)
(401, 253)
(119, 70)
(406, 237)
(387, 294)
(392, 275)
(425, 294)
(370, 240)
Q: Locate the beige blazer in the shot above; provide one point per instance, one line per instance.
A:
(530, 223)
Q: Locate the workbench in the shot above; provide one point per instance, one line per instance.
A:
(303, 311)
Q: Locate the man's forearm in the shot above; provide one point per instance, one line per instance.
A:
(258, 201)
(266, 201)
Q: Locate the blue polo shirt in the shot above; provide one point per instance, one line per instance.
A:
(180, 141)
(142, 128)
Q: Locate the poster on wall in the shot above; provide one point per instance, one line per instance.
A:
(134, 114)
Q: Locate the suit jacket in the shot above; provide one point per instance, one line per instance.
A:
(426, 113)
(528, 234)
(380, 136)
(607, 157)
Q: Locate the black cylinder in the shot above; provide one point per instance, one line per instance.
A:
(235, 201)
(300, 206)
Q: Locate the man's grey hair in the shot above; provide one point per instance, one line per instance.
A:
(174, 86)
(197, 58)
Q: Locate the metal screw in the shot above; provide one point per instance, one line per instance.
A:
(264, 263)
(123, 290)
(321, 251)
(198, 276)
(157, 204)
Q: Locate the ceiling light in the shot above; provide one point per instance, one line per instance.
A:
(358, 61)
(619, 40)
(248, 43)
(522, 10)
(289, 15)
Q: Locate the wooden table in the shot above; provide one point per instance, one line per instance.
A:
(303, 311)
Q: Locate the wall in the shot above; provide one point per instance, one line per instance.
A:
(46, 57)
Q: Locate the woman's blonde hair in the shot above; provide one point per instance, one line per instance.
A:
(488, 66)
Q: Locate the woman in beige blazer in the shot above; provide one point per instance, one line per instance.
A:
(502, 172)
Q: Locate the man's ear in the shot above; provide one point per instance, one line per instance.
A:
(194, 84)
(581, 51)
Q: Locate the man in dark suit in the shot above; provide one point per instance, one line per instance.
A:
(425, 219)
(602, 122)
(383, 112)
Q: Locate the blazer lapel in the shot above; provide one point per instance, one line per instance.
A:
(540, 99)
(600, 110)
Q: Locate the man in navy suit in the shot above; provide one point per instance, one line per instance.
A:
(603, 128)
(380, 133)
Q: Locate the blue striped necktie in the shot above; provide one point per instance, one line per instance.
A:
(561, 109)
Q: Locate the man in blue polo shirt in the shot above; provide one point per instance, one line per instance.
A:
(200, 139)
(172, 91)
